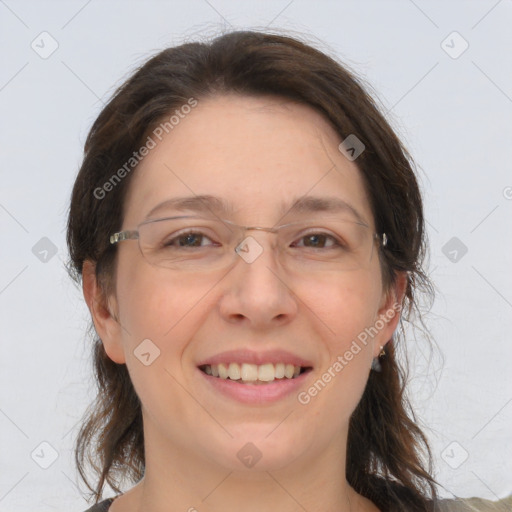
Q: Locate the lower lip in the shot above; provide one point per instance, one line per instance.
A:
(256, 393)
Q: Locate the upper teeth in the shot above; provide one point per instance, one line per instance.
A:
(252, 372)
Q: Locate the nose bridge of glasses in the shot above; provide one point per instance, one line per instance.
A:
(250, 247)
(240, 232)
(258, 232)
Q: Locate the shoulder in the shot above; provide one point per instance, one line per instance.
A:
(102, 506)
(474, 505)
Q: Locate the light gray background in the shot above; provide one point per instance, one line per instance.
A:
(453, 113)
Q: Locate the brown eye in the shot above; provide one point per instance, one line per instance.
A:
(190, 239)
(315, 241)
(318, 241)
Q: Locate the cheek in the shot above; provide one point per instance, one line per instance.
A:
(346, 314)
(158, 319)
(344, 305)
(153, 307)
(150, 303)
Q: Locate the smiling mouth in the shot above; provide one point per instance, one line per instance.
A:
(247, 373)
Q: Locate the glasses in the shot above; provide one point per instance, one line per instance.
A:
(196, 243)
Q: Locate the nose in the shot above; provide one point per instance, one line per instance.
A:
(257, 292)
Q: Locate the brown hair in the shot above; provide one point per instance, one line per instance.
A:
(389, 463)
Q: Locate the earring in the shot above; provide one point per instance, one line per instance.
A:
(376, 366)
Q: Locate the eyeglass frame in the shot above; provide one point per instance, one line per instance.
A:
(134, 234)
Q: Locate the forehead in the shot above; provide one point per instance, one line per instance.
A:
(257, 154)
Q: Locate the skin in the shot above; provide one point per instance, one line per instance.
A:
(255, 152)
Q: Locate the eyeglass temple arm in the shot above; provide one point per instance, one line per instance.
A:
(124, 235)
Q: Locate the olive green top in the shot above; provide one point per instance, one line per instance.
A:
(457, 505)
(475, 505)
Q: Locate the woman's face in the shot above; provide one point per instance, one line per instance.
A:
(258, 155)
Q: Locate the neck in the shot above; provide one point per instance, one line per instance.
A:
(180, 479)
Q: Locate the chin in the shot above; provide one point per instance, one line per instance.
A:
(258, 448)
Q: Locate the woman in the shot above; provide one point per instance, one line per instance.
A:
(248, 231)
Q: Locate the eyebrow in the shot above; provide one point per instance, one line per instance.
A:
(218, 206)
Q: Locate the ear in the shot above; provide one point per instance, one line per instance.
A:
(102, 310)
(390, 311)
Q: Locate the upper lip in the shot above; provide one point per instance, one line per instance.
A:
(258, 358)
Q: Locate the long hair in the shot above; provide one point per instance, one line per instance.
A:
(388, 457)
